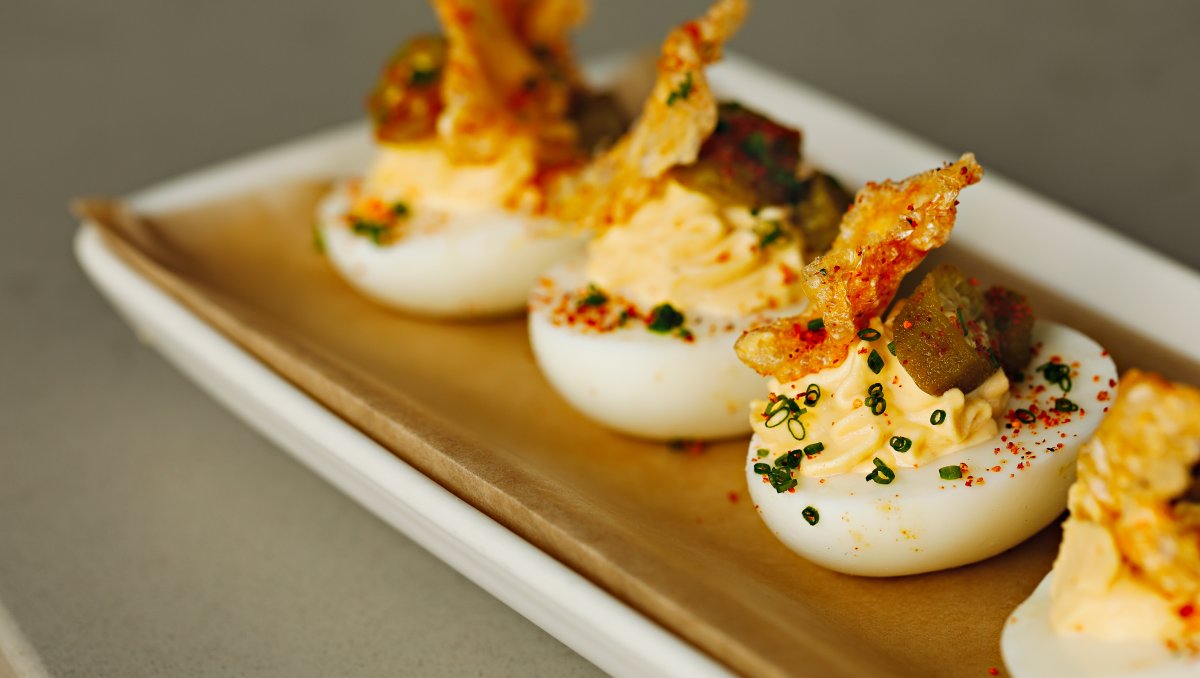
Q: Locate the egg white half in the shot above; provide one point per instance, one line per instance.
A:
(920, 522)
(1031, 649)
(646, 384)
(480, 263)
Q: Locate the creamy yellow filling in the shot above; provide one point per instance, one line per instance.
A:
(844, 421)
(421, 175)
(684, 249)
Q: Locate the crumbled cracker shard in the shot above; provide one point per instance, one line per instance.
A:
(886, 234)
(1137, 479)
(679, 115)
(508, 76)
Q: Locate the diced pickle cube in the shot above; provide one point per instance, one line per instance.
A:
(748, 160)
(599, 117)
(1012, 322)
(821, 210)
(941, 334)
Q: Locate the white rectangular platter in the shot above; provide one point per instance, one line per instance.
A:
(609, 633)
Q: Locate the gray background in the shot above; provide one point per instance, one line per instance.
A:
(144, 531)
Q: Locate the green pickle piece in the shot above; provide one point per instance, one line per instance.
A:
(599, 118)
(936, 351)
(748, 160)
(820, 213)
(1012, 321)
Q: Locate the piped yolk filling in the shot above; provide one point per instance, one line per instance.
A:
(869, 407)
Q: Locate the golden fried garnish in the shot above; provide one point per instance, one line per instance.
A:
(1137, 481)
(884, 235)
(508, 77)
(679, 115)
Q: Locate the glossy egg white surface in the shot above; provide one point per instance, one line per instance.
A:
(1015, 485)
(1031, 649)
(476, 264)
(646, 384)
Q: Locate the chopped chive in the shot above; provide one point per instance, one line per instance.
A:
(768, 232)
(374, 232)
(900, 443)
(814, 449)
(869, 334)
(1065, 405)
(786, 486)
(875, 362)
(883, 474)
(762, 469)
(762, 452)
(961, 323)
(937, 417)
(593, 297)
(400, 209)
(423, 76)
(892, 347)
(781, 461)
(811, 516)
(777, 417)
(682, 92)
(1025, 416)
(950, 472)
(1056, 373)
(793, 424)
(875, 389)
(812, 395)
(664, 318)
(816, 325)
(879, 406)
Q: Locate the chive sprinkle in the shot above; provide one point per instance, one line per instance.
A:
(950, 472)
(1057, 373)
(400, 209)
(664, 318)
(892, 347)
(937, 417)
(375, 232)
(961, 323)
(1025, 416)
(869, 334)
(812, 395)
(796, 428)
(762, 452)
(762, 469)
(1065, 405)
(875, 389)
(777, 417)
(879, 406)
(883, 474)
(875, 362)
(811, 516)
(682, 92)
(900, 443)
(593, 297)
(814, 449)
(816, 325)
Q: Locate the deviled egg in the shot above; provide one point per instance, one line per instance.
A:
(940, 435)
(705, 216)
(1123, 598)
(473, 130)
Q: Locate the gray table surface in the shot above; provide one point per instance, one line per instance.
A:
(145, 531)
